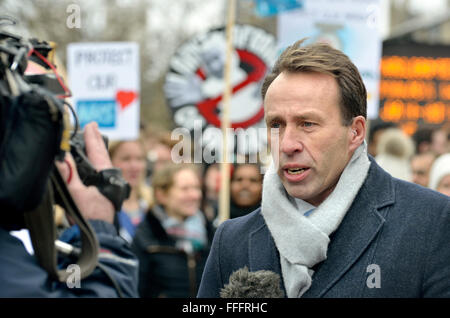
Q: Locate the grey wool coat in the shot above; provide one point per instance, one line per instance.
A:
(393, 242)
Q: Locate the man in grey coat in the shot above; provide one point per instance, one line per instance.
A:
(332, 223)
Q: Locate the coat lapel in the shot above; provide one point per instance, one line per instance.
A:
(263, 254)
(358, 229)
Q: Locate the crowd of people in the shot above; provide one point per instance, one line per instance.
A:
(422, 158)
(296, 229)
(171, 214)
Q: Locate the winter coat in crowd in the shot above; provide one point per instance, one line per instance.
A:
(171, 256)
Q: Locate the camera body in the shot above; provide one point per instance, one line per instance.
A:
(34, 131)
(79, 154)
(109, 181)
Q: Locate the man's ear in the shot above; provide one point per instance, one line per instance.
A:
(357, 132)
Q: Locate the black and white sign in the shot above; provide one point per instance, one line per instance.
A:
(194, 85)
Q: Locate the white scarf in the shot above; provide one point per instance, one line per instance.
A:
(190, 235)
(303, 241)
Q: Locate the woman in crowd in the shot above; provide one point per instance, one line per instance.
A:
(129, 156)
(245, 189)
(171, 243)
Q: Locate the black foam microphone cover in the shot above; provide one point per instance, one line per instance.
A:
(258, 284)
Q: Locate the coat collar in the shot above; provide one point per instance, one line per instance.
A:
(263, 254)
(346, 244)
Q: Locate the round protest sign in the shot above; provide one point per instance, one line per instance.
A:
(194, 85)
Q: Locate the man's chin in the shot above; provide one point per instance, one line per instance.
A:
(307, 195)
(297, 192)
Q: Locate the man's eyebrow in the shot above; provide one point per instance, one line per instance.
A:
(304, 116)
(272, 117)
(309, 116)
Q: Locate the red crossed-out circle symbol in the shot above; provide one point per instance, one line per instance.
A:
(208, 107)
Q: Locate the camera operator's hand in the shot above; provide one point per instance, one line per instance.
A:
(91, 203)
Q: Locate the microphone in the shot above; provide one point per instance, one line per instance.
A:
(259, 284)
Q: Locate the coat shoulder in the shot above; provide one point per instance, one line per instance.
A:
(381, 189)
(417, 197)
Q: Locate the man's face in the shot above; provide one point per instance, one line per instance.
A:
(420, 166)
(314, 145)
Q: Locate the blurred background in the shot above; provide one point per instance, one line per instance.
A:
(157, 67)
(160, 27)
(401, 48)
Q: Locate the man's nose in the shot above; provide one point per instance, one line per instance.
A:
(290, 141)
